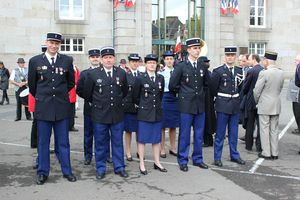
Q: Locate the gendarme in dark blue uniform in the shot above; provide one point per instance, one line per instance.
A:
(105, 88)
(94, 56)
(189, 79)
(226, 82)
(50, 78)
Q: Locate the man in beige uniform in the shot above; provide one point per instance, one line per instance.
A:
(267, 96)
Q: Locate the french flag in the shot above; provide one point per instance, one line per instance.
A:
(223, 7)
(129, 3)
(178, 43)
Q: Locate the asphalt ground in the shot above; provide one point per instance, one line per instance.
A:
(258, 179)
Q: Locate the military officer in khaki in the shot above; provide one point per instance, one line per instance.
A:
(267, 96)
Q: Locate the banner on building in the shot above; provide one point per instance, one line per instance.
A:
(231, 5)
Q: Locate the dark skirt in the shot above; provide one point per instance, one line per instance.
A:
(149, 132)
(130, 122)
(171, 115)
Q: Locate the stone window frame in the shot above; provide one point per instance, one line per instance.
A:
(257, 47)
(256, 14)
(72, 45)
(83, 20)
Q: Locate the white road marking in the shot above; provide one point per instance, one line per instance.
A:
(176, 164)
(259, 161)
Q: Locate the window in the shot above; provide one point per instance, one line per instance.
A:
(257, 48)
(71, 9)
(258, 13)
(72, 45)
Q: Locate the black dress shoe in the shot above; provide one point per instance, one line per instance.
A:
(201, 165)
(218, 163)
(183, 168)
(87, 162)
(41, 179)
(274, 157)
(73, 129)
(296, 131)
(129, 158)
(143, 172)
(163, 155)
(100, 176)
(238, 161)
(52, 151)
(173, 153)
(17, 119)
(158, 168)
(299, 152)
(242, 139)
(122, 173)
(29, 118)
(265, 157)
(70, 178)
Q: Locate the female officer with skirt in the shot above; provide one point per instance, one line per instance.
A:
(148, 92)
(170, 107)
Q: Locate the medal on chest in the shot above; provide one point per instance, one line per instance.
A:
(118, 80)
(159, 85)
(201, 72)
(99, 81)
(187, 78)
(61, 71)
(225, 82)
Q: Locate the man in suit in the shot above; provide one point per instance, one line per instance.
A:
(226, 82)
(267, 96)
(250, 109)
(297, 78)
(105, 88)
(19, 78)
(50, 77)
(188, 80)
(94, 58)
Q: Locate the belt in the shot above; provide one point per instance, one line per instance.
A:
(228, 95)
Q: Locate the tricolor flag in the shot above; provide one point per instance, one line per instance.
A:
(129, 3)
(116, 3)
(234, 6)
(178, 43)
(223, 7)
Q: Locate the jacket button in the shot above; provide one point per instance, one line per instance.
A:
(53, 79)
(111, 92)
(154, 106)
(154, 95)
(196, 92)
(110, 85)
(52, 72)
(53, 88)
(111, 98)
(111, 104)
(153, 100)
(53, 95)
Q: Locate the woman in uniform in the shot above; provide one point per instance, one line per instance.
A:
(148, 92)
(170, 107)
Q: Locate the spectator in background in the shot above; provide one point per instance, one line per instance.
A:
(4, 77)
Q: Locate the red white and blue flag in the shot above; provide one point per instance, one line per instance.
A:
(178, 43)
(234, 6)
(129, 3)
(116, 3)
(223, 7)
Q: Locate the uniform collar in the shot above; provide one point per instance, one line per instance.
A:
(49, 57)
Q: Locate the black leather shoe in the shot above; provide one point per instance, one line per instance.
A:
(242, 139)
(299, 152)
(70, 178)
(41, 179)
(163, 155)
(183, 168)
(73, 129)
(52, 151)
(100, 176)
(129, 158)
(172, 153)
(158, 168)
(274, 157)
(122, 173)
(238, 161)
(265, 157)
(143, 172)
(29, 118)
(218, 163)
(201, 165)
(296, 131)
(87, 162)
(17, 119)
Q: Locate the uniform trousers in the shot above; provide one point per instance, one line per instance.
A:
(232, 122)
(88, 138)
(62, 145)
(186, 122)
(269, 134)
(103, 134)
